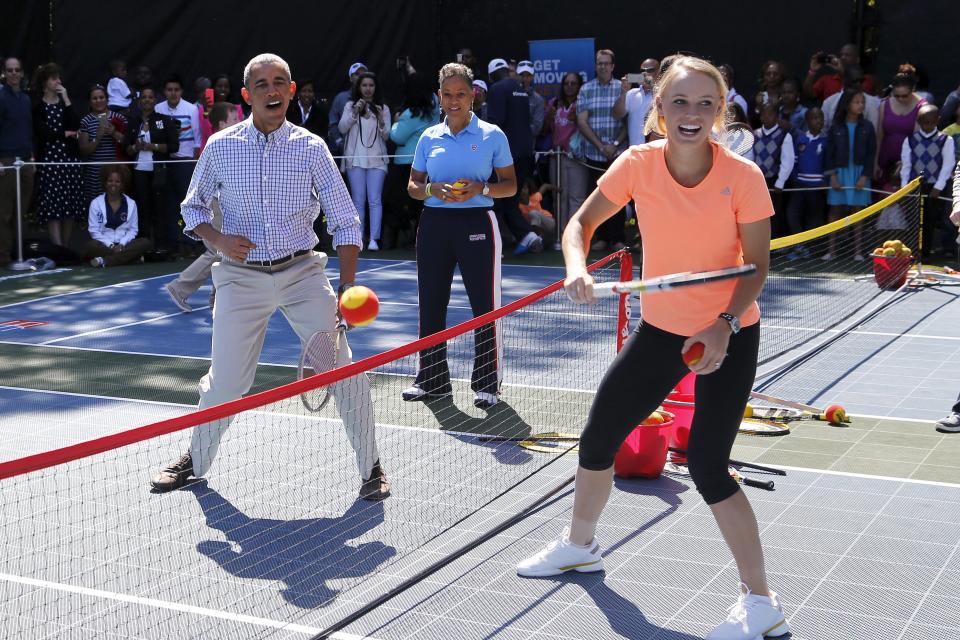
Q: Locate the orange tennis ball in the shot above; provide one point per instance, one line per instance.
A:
(835, 414)
(693, 354)
(359, 306)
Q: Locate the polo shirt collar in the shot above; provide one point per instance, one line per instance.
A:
(771, 129)
(927, 135)
(472, 127)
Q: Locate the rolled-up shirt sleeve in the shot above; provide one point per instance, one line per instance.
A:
(195, 208)
(343, 223)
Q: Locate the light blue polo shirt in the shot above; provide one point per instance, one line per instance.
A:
(472, 154)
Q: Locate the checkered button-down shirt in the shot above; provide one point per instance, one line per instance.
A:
(598, 100)
(271, 188)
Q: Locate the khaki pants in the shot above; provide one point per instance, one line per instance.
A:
(131, 252)
(8, 204)
(246, 298)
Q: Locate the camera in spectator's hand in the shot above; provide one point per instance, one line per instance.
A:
(823, 58)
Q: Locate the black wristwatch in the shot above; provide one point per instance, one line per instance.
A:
(343, 287)
(732, 320)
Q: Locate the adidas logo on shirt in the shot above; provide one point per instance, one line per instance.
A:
(726, 191)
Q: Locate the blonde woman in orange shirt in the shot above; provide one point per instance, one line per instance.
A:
(699, 207)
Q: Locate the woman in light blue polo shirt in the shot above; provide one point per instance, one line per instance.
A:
(451, 168)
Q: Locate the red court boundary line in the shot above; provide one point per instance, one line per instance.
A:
(47, 459)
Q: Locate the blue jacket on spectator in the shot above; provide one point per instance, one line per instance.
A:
(837, 153)
(808, 170)
(508, 107)
(406, 133)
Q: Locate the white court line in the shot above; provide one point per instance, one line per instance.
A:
(887, 334)
(176, 606)
(73, 293)
(115, 327)
(163, 317)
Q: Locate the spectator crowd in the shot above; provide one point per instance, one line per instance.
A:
(828, 142)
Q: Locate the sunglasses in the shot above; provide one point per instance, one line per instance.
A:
(648, 70)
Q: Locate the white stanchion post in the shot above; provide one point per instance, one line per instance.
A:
(561, 220)
(19, 264)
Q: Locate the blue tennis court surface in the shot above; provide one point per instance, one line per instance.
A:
(853, 555)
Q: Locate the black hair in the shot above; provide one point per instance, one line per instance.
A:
(738, 114)
(219, 112)
(419, 96)
(303, 82)
(173, 77)
(843, 107)
(96, 87)
(43, 73)
(562, 97)
(377, 98)
(499, 74)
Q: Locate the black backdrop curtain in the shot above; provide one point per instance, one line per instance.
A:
(321, 39)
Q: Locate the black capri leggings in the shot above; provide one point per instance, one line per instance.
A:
(639, 379)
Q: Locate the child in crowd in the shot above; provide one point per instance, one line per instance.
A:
(806, 208)
(792, 113)
(850, 153)
(119, 94)
(930, 153)
(773, 153)
(113, 223)
(531, 207)
(222, 115)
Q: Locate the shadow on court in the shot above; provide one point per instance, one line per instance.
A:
(501, 422)
(302, 554)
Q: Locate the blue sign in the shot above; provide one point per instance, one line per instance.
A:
(553, 58)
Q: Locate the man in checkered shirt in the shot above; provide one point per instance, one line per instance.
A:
(602, 135)
(271, 178)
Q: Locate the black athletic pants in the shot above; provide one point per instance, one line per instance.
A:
(468, 238)
(642, 375)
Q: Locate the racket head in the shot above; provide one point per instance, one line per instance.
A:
(767, 428)
(736, 136)
(319, 354)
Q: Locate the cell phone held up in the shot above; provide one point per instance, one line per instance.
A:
(635, 79)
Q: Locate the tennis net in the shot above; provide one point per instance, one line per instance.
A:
(274, 540)
(822, 282)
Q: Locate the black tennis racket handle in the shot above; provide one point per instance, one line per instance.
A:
(759, 484)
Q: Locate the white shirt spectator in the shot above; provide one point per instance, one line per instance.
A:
(189, 117)
(871, 109)
(118, 93)
(637, 105)
(946, 166)
(97, 222)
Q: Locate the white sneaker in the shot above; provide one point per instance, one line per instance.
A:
(950, 424)
(484, 400)
(561, 556)
(178, 299)
(373, 246)
(415, 393)
(752, 617)
(98, 262)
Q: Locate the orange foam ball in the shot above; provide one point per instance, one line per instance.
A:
(835, 414)
(693, 354)
(359, 306)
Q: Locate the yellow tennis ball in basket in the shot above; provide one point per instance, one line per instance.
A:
(889, 252)
(906, 252)
(359, 306)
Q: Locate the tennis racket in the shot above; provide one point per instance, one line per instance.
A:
(680, 471)
(753, 427)
(805, 409)
(736, 136)
(674, 281)
(319, 355)
(778, 414)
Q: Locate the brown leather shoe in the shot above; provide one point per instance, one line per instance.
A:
(174, 475)
(377, 487)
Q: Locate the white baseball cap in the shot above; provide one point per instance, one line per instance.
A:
(356, 66)
(496, 64)
(481, 84)
(525, 66)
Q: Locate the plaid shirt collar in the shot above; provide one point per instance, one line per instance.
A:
(279, 136)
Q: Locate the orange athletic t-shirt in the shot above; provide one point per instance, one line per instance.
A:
(689, 229)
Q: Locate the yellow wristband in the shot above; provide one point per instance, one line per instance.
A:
(426, 190)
